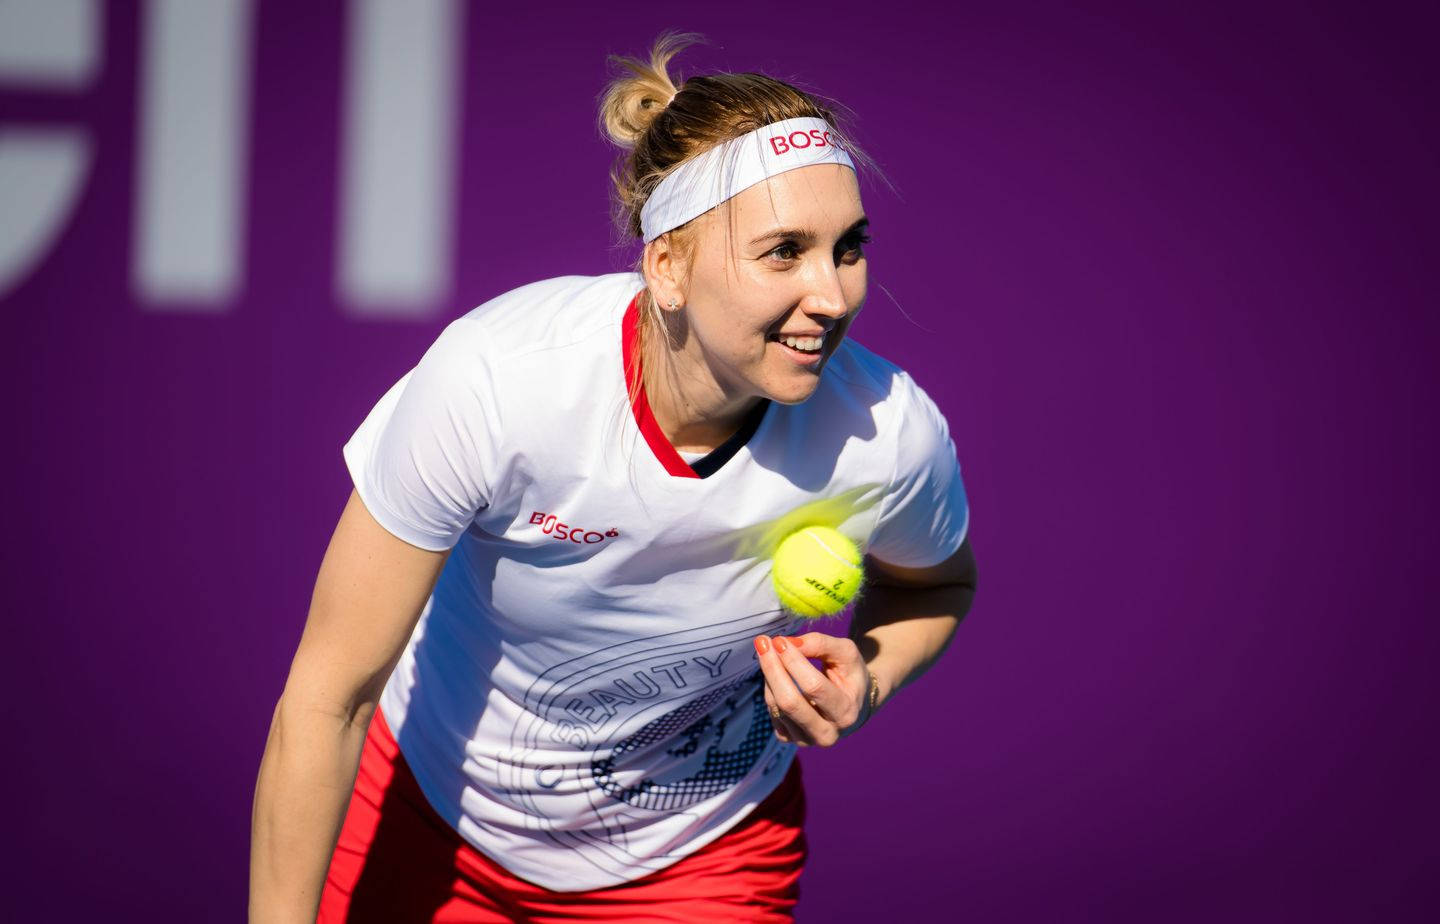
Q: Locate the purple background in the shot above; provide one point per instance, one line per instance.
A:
(1171, 280)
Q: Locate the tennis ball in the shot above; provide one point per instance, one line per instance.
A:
(816, 571)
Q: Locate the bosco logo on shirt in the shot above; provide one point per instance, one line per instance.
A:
(551, 526)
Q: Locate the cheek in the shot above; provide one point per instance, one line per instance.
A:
(730, 334)
(739, 322)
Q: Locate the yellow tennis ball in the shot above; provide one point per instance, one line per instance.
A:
(816, 571)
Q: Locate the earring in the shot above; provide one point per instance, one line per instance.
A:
(672, 305)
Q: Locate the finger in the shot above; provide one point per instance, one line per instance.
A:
(826, 697)
(776, 719)
(823, 646)
(841, 662)
(830, 650)
(788, 731)
(787, 697)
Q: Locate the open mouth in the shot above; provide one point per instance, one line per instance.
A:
(804, 352)
(800, 346)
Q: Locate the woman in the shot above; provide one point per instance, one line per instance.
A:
(544, 630)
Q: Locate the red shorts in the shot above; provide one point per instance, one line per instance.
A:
(397, 861)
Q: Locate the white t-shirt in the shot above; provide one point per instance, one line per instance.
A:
(580, 697)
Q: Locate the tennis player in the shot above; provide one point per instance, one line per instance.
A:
(544, 675)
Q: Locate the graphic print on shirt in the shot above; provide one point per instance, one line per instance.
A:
(729, 739)
(659, 724)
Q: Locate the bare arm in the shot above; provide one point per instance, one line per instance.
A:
(906, 617)
(369, 593)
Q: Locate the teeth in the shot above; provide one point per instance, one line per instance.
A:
(804, 344)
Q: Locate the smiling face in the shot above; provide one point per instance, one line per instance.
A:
(778, 275)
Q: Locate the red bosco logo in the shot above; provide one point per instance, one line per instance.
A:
(551, 526)
(814, 138)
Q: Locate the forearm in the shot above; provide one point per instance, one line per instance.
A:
(902, 631)
(306, 777)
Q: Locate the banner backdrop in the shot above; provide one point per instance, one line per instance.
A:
(1168, 270)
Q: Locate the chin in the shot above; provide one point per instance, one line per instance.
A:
(794, 392)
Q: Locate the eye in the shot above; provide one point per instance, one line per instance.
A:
(856, 244)
(786, 247)
(790, 250)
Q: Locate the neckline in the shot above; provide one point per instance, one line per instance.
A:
(655, 437)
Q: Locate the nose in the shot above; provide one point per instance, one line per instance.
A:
(826, 298)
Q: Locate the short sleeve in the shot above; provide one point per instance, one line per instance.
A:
(925, 515)
(423, 458)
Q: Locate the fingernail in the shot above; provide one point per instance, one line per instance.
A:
(779, 644)
(796, 641)
(762, 645)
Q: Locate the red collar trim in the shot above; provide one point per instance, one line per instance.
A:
(649, 427)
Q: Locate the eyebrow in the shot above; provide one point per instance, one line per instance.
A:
(805, 234)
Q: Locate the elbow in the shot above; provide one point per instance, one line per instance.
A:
(347, 705)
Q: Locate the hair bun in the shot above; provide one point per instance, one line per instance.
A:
(631, 104)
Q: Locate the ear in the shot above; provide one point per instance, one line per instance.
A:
(663, 270)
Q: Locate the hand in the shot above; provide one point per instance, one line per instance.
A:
(815, 708)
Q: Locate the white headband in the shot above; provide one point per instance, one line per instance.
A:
(708, 179)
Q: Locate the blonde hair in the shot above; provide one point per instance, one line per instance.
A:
(659, 125)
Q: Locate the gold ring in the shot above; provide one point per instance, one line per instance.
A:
(774, 713)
